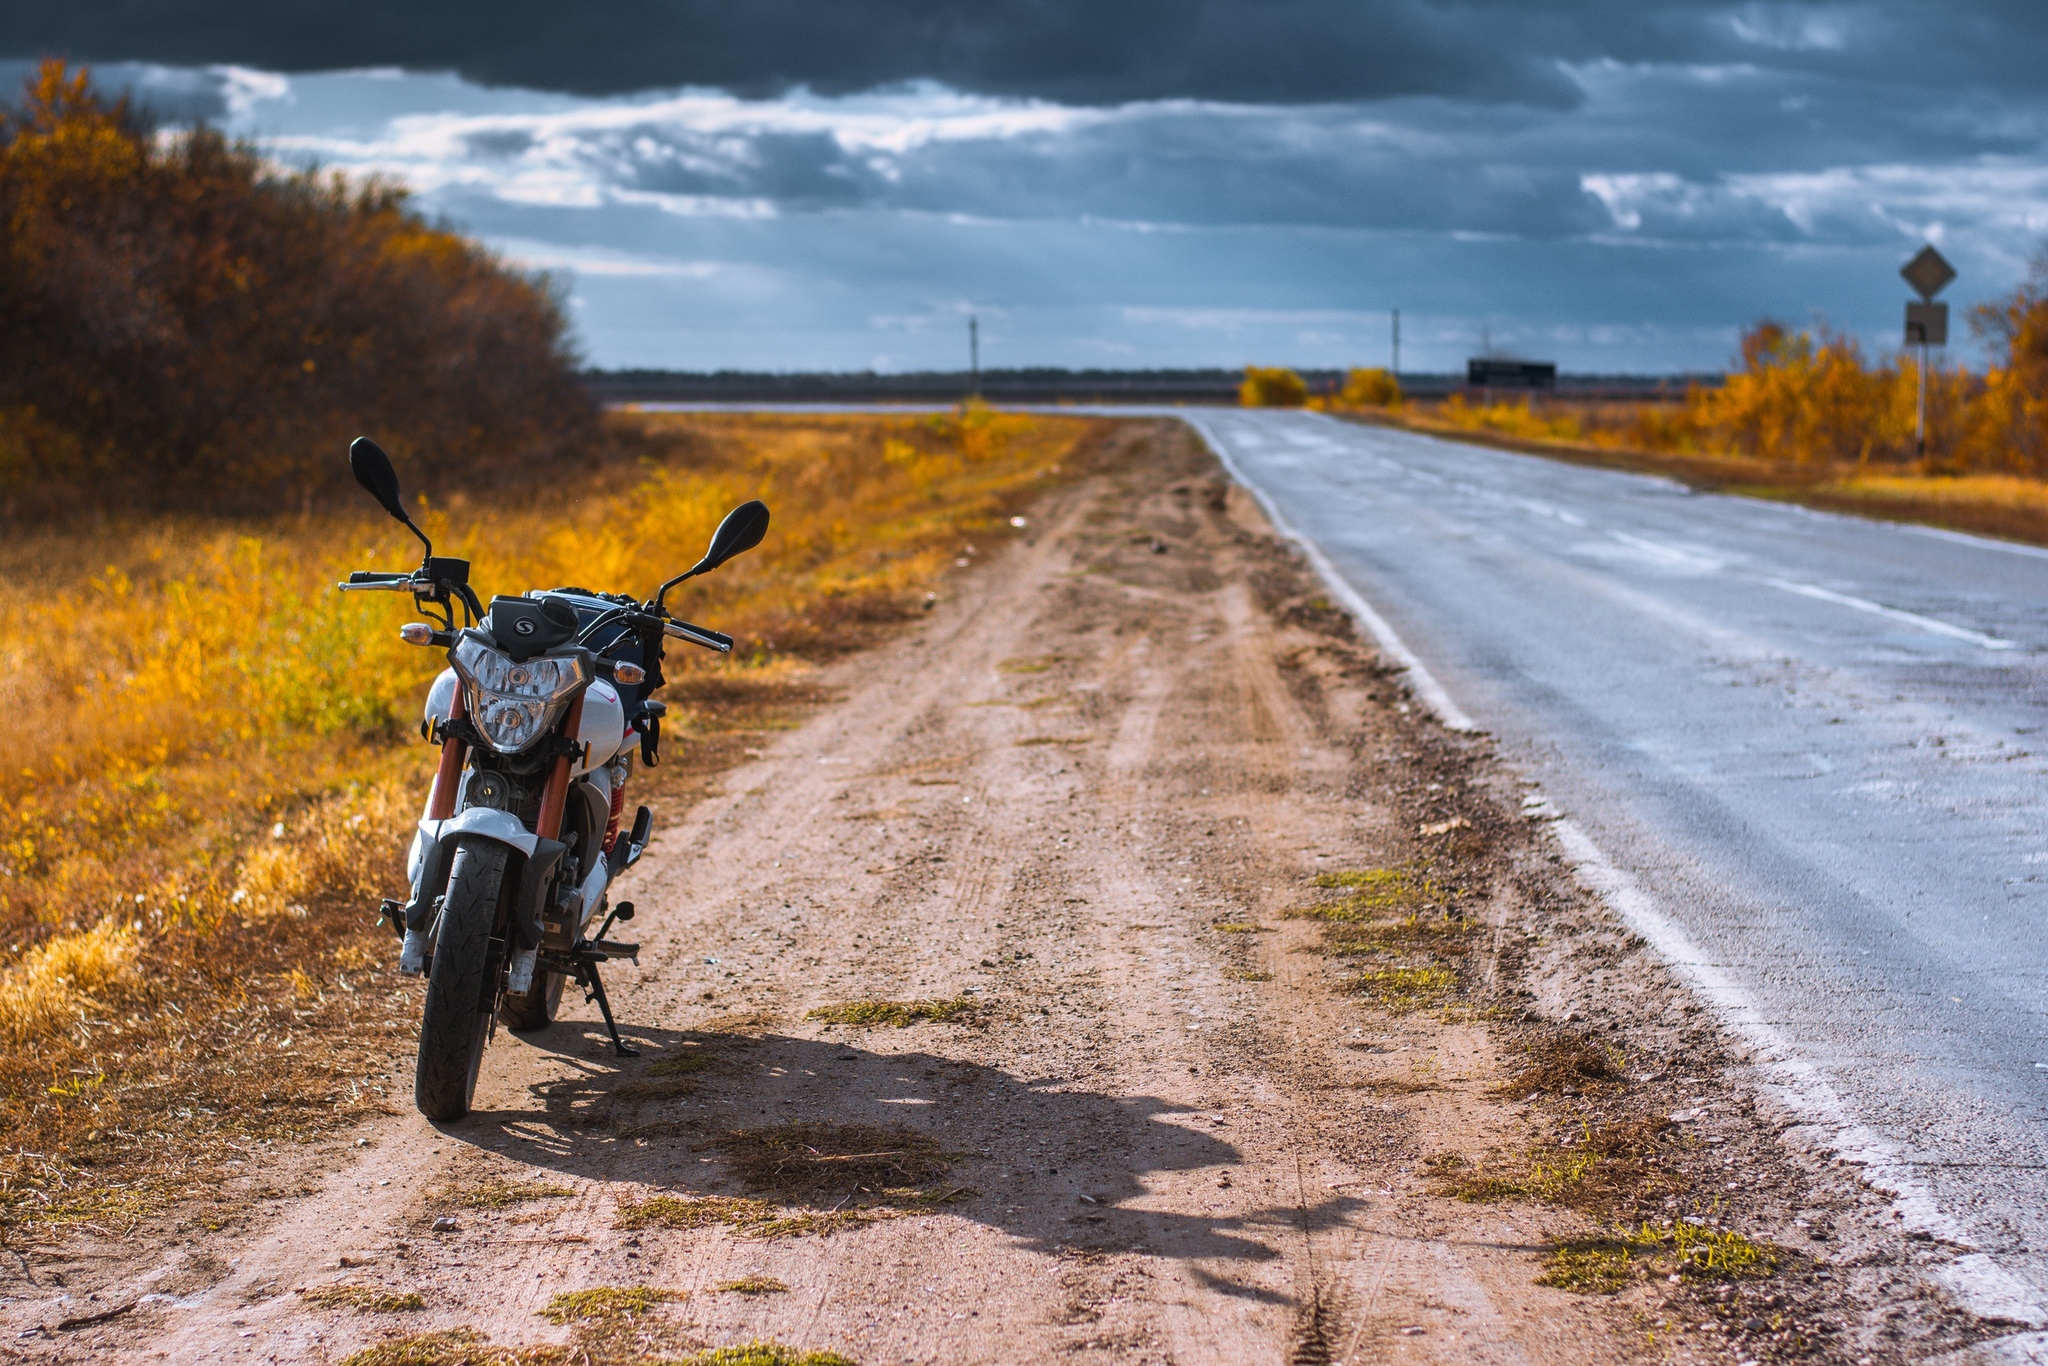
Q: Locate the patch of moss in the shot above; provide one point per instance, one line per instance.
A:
(452, 1347)
(901, 1014)
(1590, 1268)
(1034, 664)
(1544, 1178)
(364, 1299)
(834, 1163)
(1405, 989)
(1440, 934)
(752, 1285)
(1237, 927)
(674, 1211)
(764, 1354)
(682, 1065)
(1374, 893)
(606, 1302)
(1248, 975)
(500, 1194)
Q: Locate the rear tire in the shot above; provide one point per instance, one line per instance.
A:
(536, 1009)
(461, 989)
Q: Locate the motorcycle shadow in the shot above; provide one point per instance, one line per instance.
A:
(822, 1127)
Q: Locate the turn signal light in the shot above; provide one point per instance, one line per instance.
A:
(629, 674)
(416, 633)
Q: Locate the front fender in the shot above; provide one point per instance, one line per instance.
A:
(501, 826)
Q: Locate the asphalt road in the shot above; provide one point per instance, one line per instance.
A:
(1804, 753)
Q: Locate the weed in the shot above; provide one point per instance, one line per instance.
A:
(1720, 1254)
(901, 1014)
(501, 1194)
(1405, 989)
(1237, 927)
(1590, 1268)
(1443, 1164)
(1374, 892)
(810, 1224)
(752, 1285)
(1056, 740)
(606, 1302)
(364, 1299)
(764, 1354)
(1248, 975)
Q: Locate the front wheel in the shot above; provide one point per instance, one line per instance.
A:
(461, 989)
(523, 1012)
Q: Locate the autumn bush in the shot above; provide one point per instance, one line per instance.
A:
(1272, 387)
(185, 325)
(1371, 388)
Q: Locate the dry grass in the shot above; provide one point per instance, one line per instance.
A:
(1565, 1062)
(216, 767)
(900, 1014)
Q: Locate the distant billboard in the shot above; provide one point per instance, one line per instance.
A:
(1486, 372)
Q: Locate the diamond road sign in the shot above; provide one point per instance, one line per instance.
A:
(1928, 273)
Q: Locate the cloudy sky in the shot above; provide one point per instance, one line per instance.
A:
(1617, 185)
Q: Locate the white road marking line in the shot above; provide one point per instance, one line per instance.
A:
(1419, 677)
(1978, 1281)
(1878, 609)
(1980, 542)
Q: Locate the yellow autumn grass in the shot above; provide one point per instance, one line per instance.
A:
(212, 757)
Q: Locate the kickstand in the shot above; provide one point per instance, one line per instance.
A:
(625, 1049)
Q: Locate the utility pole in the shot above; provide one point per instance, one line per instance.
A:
(1397, 343)
(973, 356)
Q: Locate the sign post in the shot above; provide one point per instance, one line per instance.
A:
(1926, 324)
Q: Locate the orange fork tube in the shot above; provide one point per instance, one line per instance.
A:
(555, 796)
(441, 803)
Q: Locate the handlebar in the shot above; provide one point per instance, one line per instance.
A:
(369, 581)
(698, 635)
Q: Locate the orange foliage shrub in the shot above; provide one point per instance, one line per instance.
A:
(1272, 387)
(184, 325)
(1375, 388)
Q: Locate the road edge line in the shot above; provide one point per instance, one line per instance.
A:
(1420, 679)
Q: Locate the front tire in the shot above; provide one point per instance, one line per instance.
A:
(525, 1012)
(461, 989)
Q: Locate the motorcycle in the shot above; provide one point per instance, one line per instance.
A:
(545, 699)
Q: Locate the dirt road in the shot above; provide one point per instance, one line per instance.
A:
(1152, 1111)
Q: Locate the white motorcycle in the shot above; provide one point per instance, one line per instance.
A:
(546, 697)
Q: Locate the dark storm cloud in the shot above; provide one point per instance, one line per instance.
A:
(1076, 51)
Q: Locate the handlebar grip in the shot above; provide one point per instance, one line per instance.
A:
(699, 635)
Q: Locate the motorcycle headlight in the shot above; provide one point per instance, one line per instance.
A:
(514, 704)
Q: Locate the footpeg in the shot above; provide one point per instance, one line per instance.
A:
(519, 980)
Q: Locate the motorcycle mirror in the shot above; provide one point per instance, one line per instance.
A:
(372, 469)
(741, 531)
